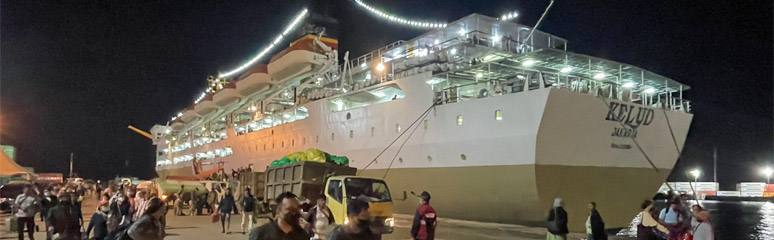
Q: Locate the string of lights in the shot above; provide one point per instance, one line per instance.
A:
(268, 48)
(509, 16)
(396, 19)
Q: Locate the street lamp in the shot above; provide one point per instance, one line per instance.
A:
(767, 172)
(695, 173)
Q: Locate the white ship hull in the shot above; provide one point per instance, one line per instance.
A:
(548, 143)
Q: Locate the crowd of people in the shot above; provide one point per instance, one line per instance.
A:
(674, 222)
(122, 213)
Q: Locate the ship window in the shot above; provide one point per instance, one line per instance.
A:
(303, 141)
(397, 128)
(358, 99)
(400, 160)
(272, 145)
(333, 136)
(293, 143)
(498, 115)
(334, 190)
(373, 129)
(429, 158)
(425, 123)
(282, 144)
(351, 133)
(463, 157)
(272, 132)
(264, 147)
(317, 139)
(349, 116)
(459, 120)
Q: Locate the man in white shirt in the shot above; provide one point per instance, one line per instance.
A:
(26, 207)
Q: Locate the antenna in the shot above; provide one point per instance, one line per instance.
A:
(538, 22)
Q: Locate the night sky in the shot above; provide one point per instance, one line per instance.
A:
(74, 74)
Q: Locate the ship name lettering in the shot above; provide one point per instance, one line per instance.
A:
(626, 114)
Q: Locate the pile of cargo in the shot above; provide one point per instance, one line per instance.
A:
(310, 155)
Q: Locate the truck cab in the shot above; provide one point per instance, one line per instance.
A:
(341, 189)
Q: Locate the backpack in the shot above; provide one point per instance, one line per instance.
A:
(249, 204)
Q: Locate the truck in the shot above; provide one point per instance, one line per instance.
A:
(338, 183)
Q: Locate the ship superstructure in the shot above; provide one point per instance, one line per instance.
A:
(491, 117)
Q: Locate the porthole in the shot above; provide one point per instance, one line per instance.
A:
(349, 116)
(397, 128)
(373, 129)
(459, 120)
(333, 136)
(498, 115)
(351, 133)
(400, 160)
(463, 157)
(429, 158)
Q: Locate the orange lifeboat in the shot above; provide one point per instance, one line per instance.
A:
(189, 114)
(256, 80)
(301, 59)
(227, 96)
(178, 124)
(206, 106)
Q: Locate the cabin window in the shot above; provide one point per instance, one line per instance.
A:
(373, 129)
(334, 190)
(349, 116)
(303, 141)
(498, 115)
(400, 160)
(425, 122)
(272, 145)
(282, 144)
(429, 158)
(351, 133)
(333, 136)
(293, 143)
(317, 139)
(463, 157)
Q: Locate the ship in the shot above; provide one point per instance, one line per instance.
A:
(493, 118)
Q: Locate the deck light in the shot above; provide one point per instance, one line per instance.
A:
(453, 51)
(479, 75)
(380, 67)
(599, 76)
(528, 63)
(398, 19)
(363, 65)
(628, 85)
(566, 69)
(649, 90)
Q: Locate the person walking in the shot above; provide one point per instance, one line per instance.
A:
(98, 222)
(557, 222)
(595, 226)
(287, 226)
(649, 228)
(140, 204)
(192, 202)
(359, 225)
(424, 219)
(119, 211)
(48, 202)
(701, 224)
(25, 207)
(178, 203)
(318, 219)
(248, 210)
(226, 206)
(150, 226)
(65, 224)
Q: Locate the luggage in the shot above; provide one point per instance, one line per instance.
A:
(11, 224)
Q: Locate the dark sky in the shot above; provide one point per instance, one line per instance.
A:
(74, 74)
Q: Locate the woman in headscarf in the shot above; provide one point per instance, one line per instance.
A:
(149, 226)
(557, 222)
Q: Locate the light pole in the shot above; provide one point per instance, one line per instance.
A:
(767, 172)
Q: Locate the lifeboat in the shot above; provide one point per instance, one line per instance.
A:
(189, 114)
(227, 96)
(301, 59)
(178, 124)
(206, 106)
(254, 81)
